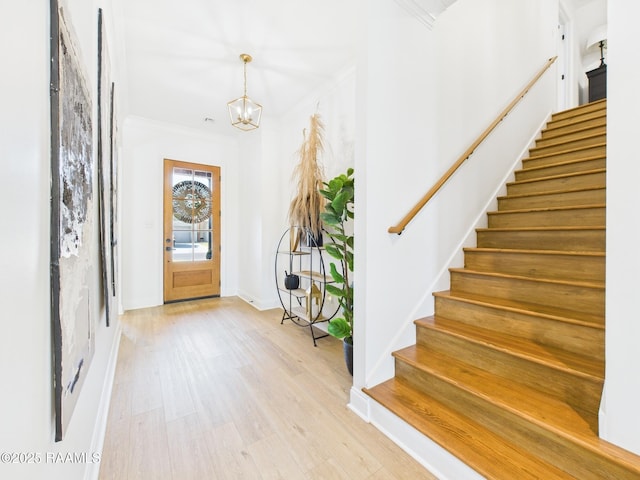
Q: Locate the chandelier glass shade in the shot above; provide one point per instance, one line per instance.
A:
(244, 113)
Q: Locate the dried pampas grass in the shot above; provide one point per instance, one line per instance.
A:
(307, 203)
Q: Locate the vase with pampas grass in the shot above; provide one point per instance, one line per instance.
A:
(308, 203)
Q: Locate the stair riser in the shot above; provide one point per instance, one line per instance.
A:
(562, 199)
(571, 297)
(584, 216)
(538, 265)
(575, 113)
(571, 182)
(574, 338)
(566, 240)
(597, 150)
(554, 129)
(574, 167)
(543, 442)
(563, 146)
(580, 392)
(550, 139)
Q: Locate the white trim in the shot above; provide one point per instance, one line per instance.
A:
(258, 304)
(92, 470)
(359, 403)
(425, 11)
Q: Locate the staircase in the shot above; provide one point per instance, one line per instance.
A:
(508, 373)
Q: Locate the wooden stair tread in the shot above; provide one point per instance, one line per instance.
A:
(584, 284)
(602, 103)
(484, 451)
(572, 363)
(550, 192)
(563, 163)
(551, 313)
(568, 150)
(547, 209)
(534, 252)
(579, 128)
(516, 398)
(561, 175)
(576, 120)
(555, 227)
(545, 411)
(595, 116)
(562, 142)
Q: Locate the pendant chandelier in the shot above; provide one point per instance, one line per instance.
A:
(245, 113)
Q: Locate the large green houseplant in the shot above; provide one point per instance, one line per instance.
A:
(338, 210)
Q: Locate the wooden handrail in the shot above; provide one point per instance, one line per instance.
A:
(424, 200)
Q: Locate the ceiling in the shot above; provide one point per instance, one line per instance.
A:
(182, 57)
(183, 65)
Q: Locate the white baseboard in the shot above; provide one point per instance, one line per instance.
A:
(359, 403)
(259, 304)
(102, 415)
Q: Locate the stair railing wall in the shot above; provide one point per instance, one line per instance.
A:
(455, 213)
(400, 226)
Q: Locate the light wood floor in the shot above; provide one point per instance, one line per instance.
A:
(214, 389)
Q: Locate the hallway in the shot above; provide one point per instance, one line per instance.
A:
(215, 389)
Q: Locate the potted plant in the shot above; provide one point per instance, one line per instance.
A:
(339, 195)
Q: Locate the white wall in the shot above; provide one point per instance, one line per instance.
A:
(428, 95)
(268, 158)
(585, 20)
(26, 405)
(394, 160)
(619, 420)
(250, 262)
(145, 146)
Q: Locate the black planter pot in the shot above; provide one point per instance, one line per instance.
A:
(348, 355)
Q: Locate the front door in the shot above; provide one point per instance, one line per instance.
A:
(191, 231)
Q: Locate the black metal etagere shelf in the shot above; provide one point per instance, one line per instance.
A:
(299, 254)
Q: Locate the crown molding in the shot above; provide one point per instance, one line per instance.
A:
(425, 11)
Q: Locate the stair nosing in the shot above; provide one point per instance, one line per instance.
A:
(555, 227)
(485, 395)
(584, 106)
(548, 209)
(586, 137)
(555, 177)
(572, 161)
(516, 352)
(577, 130)
(517, 307)
(583, 284)
(599, 114)
(549, 192)
(577, 253)
(564, 152)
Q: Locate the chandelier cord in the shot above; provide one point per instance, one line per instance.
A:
(245, 78)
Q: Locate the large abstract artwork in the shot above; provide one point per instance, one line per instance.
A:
(73, 243)
(106, 172)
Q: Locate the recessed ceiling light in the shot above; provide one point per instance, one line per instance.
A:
(209, 119)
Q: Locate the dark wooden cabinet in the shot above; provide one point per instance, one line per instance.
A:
(597, 83)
